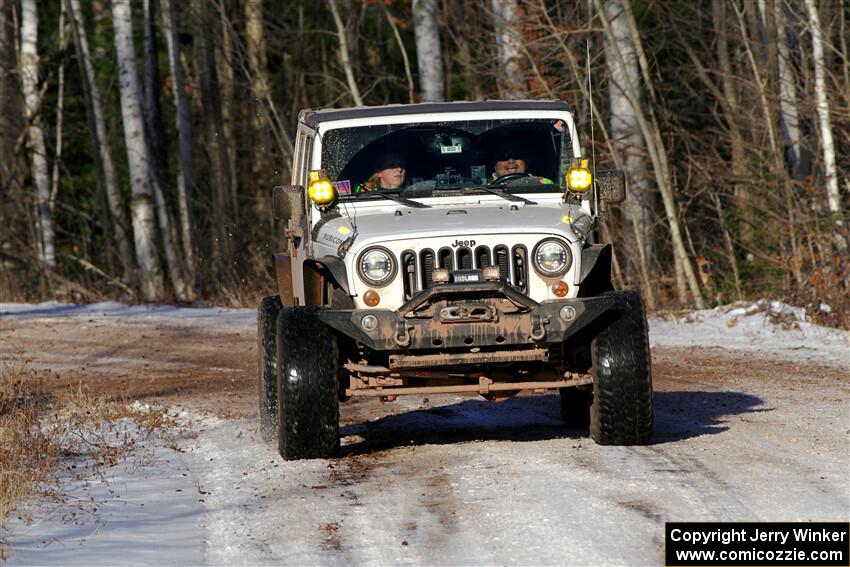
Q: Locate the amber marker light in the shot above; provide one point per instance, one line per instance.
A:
(579, 178)
(560, 289)
(371, 298)
(321, 190)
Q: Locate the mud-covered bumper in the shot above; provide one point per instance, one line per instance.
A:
(534, 323)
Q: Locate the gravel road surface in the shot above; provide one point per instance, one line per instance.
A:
(740, 435)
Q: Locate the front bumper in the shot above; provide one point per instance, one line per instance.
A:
(533, 324)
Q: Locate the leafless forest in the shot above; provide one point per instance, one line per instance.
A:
(139, 140)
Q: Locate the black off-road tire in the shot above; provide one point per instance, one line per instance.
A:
(575, 407)
(621, 412)
(267, 366)
(308, 383)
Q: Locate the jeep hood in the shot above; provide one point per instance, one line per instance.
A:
(387, 225)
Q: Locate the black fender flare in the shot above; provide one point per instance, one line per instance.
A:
(330, 268)
(595, 276)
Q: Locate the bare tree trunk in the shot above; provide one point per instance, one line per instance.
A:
(222, 249)
(44, 229)
(142, 205)
(827, 142)
(60, 106)
(344, 55)
(183, 290)
(627, 140)
(729, 101)
(224, 66)
(177, 272)
(151, 84)
(660, 164)
(106, 167)
(261, 172)
(789, 116)
(411, 90)
(8, 89)
(13, 164)
(184, 133)
(775, 155)
(429, 56)
(506, 19)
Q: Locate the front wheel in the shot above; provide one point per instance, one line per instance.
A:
(621, 412)
(307, 382)
(267, 365)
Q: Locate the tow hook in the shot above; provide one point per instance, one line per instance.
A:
(402, 336)
(538, 330)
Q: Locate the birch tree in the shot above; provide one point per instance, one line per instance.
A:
(44, 230)
(686, 277)
(184, 136)
(506, 20)
(154, 139)
(627, 139)
(429, 55)
(105, 164)
(789, 114)
(60, 108)
(824, 120)
(142, 205)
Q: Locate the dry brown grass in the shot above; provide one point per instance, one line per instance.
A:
(46, 439)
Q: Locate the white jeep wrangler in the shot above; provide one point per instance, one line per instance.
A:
(458, 280)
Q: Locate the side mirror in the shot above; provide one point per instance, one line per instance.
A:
(289, 203)
(611, 184)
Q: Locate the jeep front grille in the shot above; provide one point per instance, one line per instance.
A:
(417, 267)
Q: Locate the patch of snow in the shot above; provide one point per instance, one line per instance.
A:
(134, 514)
(130, 314)
(768, 327)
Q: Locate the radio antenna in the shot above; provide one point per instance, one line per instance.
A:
(592, 139)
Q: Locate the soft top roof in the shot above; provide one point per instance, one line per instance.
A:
(313, 118)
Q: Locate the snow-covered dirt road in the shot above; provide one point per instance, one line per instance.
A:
(752, 423)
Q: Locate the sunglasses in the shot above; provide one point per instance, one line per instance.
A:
(508, 156)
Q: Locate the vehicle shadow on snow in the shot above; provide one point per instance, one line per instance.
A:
(678, 416)
(683, 415)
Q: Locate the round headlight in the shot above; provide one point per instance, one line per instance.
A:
(552, 258)
(376, 266)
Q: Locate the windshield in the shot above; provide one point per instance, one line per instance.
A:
(420, 159)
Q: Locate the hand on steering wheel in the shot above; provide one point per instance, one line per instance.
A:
(509, 177)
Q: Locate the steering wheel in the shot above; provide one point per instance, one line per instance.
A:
(509, 177)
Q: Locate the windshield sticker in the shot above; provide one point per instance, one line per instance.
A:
(453, 149)
(343, 187)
